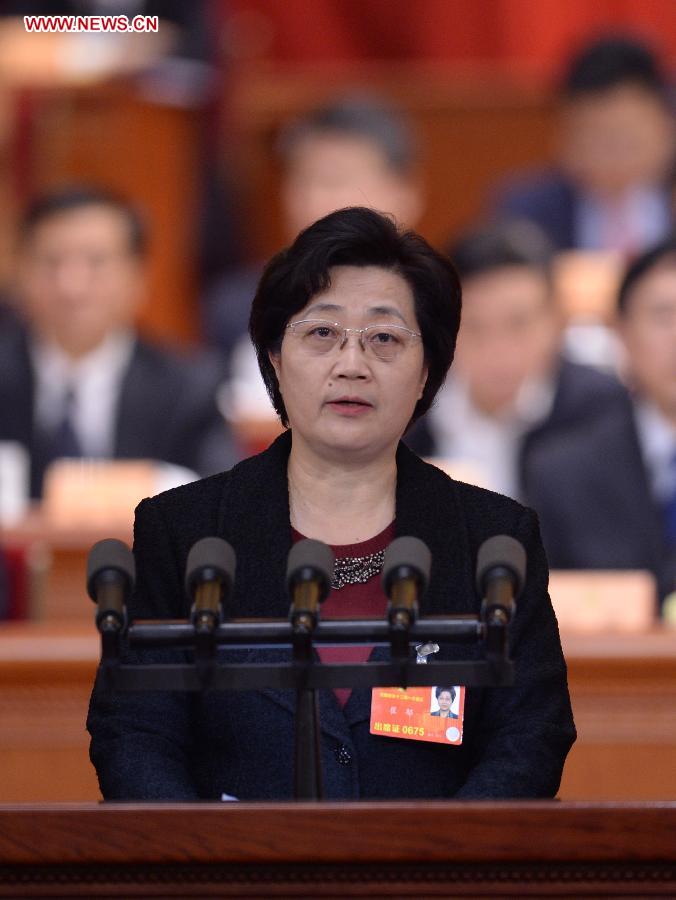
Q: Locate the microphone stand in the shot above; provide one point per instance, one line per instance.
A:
(308, 781)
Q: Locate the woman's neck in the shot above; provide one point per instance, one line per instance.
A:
(340, 504)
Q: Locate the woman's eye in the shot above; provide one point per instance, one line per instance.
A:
(322, 332)
(385, 337)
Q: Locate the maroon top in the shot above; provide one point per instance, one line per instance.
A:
(352, 601)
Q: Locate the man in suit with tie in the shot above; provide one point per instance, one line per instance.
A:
(76, 379)
(606, 494)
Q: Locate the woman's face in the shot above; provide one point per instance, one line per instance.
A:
(348, 400)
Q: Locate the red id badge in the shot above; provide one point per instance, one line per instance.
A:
(419, 714)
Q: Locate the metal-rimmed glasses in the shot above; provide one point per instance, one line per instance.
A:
(319, 336)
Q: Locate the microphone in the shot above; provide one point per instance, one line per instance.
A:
(209, 577)
(309, 572)
(500, 576)
(111, 573)
(406, 574)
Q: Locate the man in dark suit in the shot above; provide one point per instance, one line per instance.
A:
(510, 387)
(76, 379)
(609, 189)
(606, 495)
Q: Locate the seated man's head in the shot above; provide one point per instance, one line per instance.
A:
(80, 268)
(510, 331)
(617, 128)
(354, 152)
(647, 325)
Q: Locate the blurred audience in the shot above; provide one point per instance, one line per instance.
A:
(610, 187)
(76, 379)
(510, 387)
(355, 151)
(4, 590)
(606, 494)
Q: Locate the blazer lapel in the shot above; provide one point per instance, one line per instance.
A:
(17, 393)
(636, 506)
(132, 409)
(258, 487)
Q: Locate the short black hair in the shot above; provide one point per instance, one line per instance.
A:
(610, 62)
(76, 197)
(361, 116)
(640, 267)
(500, 245)
(358, 236)
(439, 690)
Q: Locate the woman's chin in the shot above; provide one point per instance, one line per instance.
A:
(354, 438)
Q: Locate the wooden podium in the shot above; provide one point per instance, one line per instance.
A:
(401, 849)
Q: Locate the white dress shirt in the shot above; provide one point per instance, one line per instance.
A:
(96, 381)
(465, 434)
(657, 438)
(640, 219)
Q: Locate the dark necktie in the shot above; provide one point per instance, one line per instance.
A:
(669, 509)
(65, 442)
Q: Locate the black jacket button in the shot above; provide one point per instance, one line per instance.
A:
(343, 755)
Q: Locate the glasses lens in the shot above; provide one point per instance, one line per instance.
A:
(317, 337)
(385, 341)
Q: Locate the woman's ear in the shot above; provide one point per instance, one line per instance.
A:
(423, 380)
(276, 360)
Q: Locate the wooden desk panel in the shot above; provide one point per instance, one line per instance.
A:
(46, 674)
(400, 849)
(623, 689)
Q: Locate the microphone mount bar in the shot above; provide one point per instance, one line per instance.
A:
(259, 633)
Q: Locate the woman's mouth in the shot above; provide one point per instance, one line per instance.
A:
(350, 406)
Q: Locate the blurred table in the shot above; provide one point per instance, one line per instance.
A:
(623, 689)
(56, 557)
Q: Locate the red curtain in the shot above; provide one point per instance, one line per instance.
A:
(531, 35)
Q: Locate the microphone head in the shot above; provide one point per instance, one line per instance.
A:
(310, 560)
(405, 557)
(110, 555)
(210, 558)
(501, 551)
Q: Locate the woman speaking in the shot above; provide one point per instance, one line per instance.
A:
(354, 327)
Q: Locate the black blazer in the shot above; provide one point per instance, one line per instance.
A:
(545, 197)
(183, 747)
(593, 496)
(167, 409)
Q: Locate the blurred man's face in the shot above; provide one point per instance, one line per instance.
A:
(509, 334)
(648, 330)
(332, 170)
(78, 278)
(613, 140)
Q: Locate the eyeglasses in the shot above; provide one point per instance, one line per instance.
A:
(318, 337)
